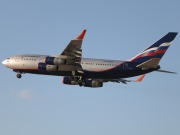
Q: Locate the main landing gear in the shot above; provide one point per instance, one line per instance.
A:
(18, 75)
(79, 79)
(81, 82)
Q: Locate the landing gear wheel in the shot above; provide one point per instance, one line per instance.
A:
(84, 83)
(18, 76)
(80, 84)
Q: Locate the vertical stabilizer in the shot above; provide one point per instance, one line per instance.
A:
(151, 56)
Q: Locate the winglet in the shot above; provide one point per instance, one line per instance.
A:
(81, 36)
(140, 78)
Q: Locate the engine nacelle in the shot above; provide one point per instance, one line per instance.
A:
(54, 61)
(94, 84)
(88, 83)
(45, 67)
(67, 80)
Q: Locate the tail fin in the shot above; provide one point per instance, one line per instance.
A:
(150, 57)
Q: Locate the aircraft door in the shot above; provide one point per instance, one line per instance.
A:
(16, 59)
(41, 59)
(125, 66)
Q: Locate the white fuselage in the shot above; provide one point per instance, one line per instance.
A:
(30, 62)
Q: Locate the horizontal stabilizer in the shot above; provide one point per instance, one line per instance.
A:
(152, 63)
(164, 71)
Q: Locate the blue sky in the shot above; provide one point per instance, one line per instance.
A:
(38, 104)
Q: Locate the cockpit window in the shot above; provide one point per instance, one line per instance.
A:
(8, 58)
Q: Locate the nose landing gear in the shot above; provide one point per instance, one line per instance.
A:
(18, 75)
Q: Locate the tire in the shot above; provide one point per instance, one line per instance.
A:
(18, 76)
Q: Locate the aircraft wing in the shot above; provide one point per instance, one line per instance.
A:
(73, 52)
(121, 80)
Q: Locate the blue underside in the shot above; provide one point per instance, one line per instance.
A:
(122, 71)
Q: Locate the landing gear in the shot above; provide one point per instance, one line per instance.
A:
(74, 78)
(19, 75)
(79, 78)
(80, 82)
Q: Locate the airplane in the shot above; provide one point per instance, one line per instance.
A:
(90, 72)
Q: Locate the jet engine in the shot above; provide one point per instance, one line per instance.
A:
(54, 61)
(88, 83)
(67, 80)
(45, 67)
(93, 83)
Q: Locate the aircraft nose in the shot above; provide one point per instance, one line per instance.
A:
(4, 62)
